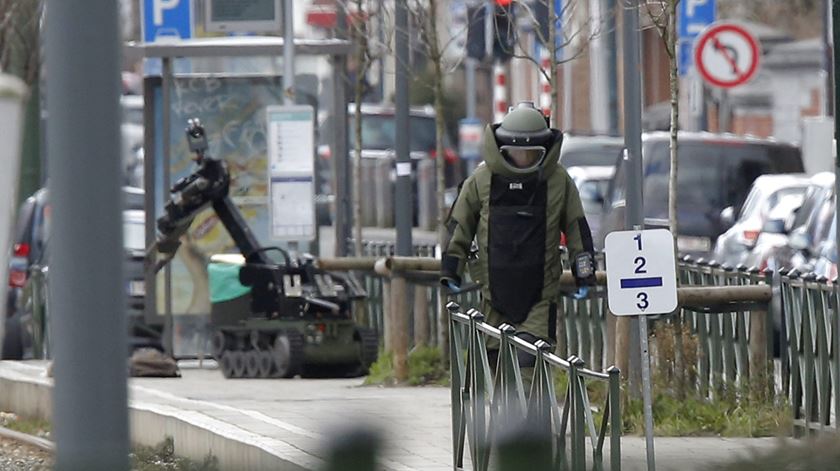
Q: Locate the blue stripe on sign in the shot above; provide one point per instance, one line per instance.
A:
(641, 282)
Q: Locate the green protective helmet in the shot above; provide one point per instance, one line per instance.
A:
(523, 137)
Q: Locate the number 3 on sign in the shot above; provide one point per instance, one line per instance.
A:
(643, 301)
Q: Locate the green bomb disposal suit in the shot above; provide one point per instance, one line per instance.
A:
(517, 218)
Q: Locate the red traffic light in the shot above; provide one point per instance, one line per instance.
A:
(503, 3)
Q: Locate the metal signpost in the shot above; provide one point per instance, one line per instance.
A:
(641, 281)
(90, 397)
(693, 16)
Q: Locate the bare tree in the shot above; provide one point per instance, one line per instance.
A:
(19, 38)
(663, 17)
(542, 18)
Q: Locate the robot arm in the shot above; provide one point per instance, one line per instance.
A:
(209, 184)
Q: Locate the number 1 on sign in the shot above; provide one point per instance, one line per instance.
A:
(638, 240)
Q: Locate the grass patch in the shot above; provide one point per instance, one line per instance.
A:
(425, 367)
(382, 370)
(695, 416)
(36, 427)
(162, 457)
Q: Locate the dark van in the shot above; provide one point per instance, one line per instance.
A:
(715, 171)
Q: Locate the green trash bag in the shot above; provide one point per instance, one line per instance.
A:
(224, 282)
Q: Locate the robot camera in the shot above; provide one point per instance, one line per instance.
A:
(195, 136)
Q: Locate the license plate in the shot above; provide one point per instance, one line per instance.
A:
(136, 288)
(694, 244)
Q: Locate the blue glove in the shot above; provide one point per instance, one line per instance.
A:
(453, 287)
(581, 293)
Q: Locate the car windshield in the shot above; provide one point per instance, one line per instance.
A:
(588, 156)
(698, 179)
(134, 235)
(379, 131)
(712, 175)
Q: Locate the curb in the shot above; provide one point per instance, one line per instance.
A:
(195, 435)
(28, 439)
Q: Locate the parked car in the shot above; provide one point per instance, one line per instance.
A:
(590, 151)
(772, 249)
(825, 263)
(379, 142)
(26, 332)
(768, 191)
(592, 184)
(716, 171)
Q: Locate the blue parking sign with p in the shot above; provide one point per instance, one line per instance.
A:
(167, 20)
(692, 18)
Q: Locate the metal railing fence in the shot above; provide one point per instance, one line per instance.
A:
(733, 343)
(484, 402)
(811, 378)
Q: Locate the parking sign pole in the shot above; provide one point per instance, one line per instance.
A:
(642, 281)
(90, 415)
(646, 392)
(634, 215)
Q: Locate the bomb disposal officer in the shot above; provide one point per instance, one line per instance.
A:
(515, 206)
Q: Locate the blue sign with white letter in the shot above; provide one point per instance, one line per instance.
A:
(692, 18)
(167, 20)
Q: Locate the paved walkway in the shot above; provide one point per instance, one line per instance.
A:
(293, 417)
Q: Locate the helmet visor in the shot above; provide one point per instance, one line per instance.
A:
(523, 157)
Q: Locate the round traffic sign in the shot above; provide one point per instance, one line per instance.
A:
(726, 55)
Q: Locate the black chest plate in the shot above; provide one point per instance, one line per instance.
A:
(516, 244)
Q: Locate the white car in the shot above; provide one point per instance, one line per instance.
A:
(767, 192)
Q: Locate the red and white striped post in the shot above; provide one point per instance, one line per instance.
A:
(500, 103)
(545, 84)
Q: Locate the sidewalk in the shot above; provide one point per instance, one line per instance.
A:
(289, 419)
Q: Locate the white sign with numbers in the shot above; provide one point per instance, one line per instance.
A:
(641, 272)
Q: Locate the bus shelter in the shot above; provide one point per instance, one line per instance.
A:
(230, 104)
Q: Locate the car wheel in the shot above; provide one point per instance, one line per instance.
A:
(12, 341)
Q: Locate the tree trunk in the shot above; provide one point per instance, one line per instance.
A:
(671, 46)
(436, 57)
(552, 61)
(360, 38)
